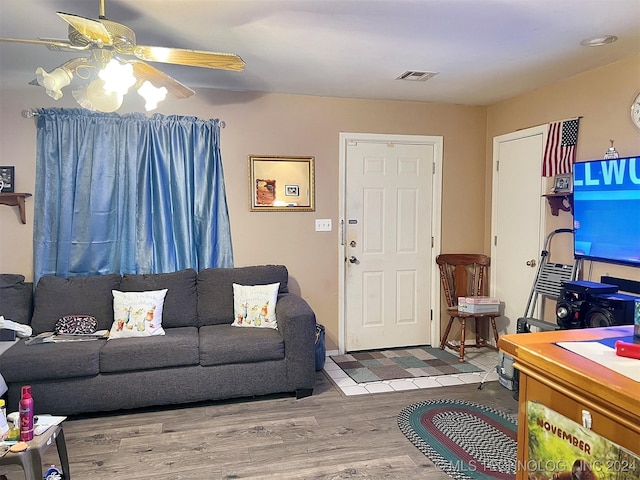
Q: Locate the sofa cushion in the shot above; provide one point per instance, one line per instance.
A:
(180, 304)
(224, 344)
(255, 305)
(50, 361)
(15, 298)
(57, 297)
(215, 289)
(178, 347)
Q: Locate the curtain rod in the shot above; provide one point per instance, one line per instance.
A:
(30, 113)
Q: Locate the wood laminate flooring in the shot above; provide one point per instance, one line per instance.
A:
(325, 436)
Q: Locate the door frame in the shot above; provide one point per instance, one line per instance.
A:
(437, 143)
(509, 137)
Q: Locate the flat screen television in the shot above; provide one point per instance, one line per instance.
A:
(606, 210)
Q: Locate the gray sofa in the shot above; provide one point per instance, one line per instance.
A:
(201, 356)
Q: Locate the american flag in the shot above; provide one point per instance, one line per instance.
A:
(560, 151)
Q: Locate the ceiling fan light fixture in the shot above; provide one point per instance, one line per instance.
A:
(80, 94)
(152, 95)
(103, 100)
(116, 63)
(53, 82)
(118, 77)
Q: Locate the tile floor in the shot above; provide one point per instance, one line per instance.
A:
(483, 358)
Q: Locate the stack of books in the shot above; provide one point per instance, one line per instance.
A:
(478, 304)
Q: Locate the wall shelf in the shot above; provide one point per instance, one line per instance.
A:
(13, 200)
(560, 201)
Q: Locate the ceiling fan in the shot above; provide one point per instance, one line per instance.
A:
(112, 48)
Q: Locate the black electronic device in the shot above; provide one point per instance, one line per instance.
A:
(623, 284)
(570, 309)
(585, 287)
(573, 302)
(609, 309)
(7, 335)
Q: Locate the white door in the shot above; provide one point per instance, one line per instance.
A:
(391, 191)
(518, 212)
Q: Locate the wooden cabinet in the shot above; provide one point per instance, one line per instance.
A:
(571, 385)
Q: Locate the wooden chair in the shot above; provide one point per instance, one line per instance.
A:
(463, 275)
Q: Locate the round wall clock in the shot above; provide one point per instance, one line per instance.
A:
(635, 111)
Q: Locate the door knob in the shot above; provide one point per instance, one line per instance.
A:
(353, 259)
(532, 262)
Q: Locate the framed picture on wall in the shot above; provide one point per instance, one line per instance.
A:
(281, 184)
(562, 183)
(292, 190)
(7, 179)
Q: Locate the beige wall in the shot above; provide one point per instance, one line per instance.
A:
(275, 124)
(602, 97)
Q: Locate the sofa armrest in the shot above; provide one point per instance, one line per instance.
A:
(297, 325)
(16, 298)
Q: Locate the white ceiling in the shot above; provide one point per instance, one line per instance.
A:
(484, 50)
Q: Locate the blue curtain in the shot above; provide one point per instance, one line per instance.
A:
(128, 194)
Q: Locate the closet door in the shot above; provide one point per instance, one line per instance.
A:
(518, 215)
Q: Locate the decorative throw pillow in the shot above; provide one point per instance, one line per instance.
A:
(255, 305)
(76, 325)
(137, 314)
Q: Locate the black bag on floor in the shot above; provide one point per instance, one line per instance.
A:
(321, 350)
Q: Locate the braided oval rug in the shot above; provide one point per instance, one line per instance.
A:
(463, 439)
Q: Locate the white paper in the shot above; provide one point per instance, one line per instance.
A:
(605, 356)
(49, 420)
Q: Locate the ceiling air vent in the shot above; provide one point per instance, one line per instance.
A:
(416, 76)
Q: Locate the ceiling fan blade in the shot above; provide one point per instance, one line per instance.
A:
(144, 71)
(59, 45)
(92, 30)
(194, 58)
(52, 44)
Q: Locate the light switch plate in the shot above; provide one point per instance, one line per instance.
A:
(323, 224)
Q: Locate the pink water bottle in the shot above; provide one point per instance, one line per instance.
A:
(26, 414)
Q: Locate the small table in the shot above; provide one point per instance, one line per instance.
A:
(31, 458)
